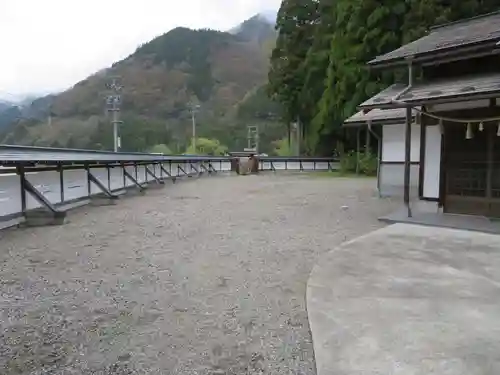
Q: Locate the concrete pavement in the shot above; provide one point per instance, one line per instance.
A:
(409, 300)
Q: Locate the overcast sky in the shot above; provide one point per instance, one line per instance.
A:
(49, 45)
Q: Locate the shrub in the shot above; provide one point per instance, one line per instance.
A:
(367, 163)
(282, 148)
(160, 149)
(348, 162)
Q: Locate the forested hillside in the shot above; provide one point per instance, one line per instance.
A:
(318, 68)
(4, 105)
(8, 115)
(256, 29)
(219, 71)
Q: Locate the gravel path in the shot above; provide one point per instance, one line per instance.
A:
(201, 277)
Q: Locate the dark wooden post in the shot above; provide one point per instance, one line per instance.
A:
(357, 149)
(367, 141)
(407, 160)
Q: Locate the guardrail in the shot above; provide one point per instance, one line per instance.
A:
(39, 185)
(297, 163)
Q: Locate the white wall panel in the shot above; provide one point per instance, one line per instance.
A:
(75, 184)
(102, 175)
(141, 174)
(131, 171)
(10, 194)
(432, 163)
(393, 143)
(43, 183)
(116, 178)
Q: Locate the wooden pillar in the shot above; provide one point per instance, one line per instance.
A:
(367, 141)
(407, 160)
(358, 130)
(490, 162)
(379, 160)
(289, 130)
(298, 136)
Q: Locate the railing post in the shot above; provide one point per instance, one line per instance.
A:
(123, 175)
(22, 180)
(89, 186)
(61, 181)
(109, 177)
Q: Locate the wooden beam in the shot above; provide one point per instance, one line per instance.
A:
(407, 160)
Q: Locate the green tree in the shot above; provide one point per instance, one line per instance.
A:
(257, 105)
(160, 149)
(315, 67)
(362, 30)
(71, 142)
(206, 146)
(318, 69)
(295, 25)
(282, 147)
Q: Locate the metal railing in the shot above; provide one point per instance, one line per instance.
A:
(297, 163)
(39, 185)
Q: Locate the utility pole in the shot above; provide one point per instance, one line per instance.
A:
(193, 108)
(113, 103)
(49, 117)
(299, 135)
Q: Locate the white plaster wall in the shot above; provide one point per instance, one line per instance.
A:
(393, 143)
(432, 162)
(391, 177)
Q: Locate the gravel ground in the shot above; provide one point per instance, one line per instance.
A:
(201, 277)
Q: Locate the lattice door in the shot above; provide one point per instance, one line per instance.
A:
(466, 170)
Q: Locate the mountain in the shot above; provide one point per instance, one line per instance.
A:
(9, 114)
(217, 70)
(20, 99)
(258, 29)
(28, 99)
(29, 109)
(270, 16)
(4, 105)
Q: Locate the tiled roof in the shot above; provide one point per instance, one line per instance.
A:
(471, 87)
(481, 29)
(384, 97)
(377, 117)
